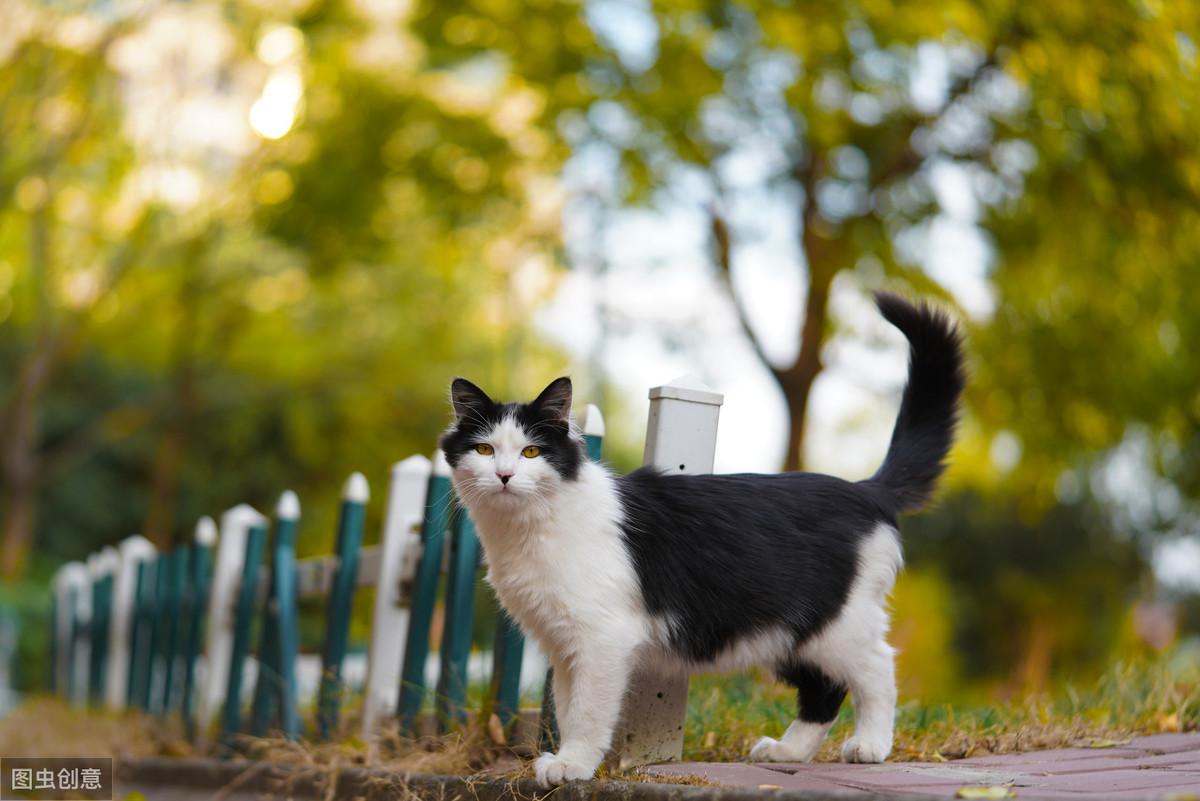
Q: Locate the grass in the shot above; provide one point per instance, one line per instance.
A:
(726, 715)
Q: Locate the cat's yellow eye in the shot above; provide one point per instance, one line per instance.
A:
(531, 451)
(485, 449)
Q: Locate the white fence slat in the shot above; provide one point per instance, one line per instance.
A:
(132, 550)
(681, 437)
(389, 621)
(70, 584)
(227, 570)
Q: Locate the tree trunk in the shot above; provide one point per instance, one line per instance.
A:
(20, 512)
(20, 463)
(164, 492)
(797, 381)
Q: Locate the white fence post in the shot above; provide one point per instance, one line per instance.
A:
(70, 582)
(227, 571)
(681, 437)
(132, 550)
(399, 545)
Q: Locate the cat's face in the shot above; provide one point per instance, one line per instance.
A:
(511, 453)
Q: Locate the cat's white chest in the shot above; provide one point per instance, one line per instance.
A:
(565, 576)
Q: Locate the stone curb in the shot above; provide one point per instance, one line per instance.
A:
(376, 784)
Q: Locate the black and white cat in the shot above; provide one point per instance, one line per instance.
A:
(715, 572)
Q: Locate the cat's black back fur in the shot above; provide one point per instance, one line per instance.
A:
(724, 557)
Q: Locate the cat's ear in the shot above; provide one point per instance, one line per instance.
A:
(468, 399)
(555, 399)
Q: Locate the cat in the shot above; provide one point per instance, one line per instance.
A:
(700, 572)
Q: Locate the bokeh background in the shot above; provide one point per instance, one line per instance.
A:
(245, 245)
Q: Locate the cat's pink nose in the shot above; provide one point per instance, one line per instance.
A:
(504, 477)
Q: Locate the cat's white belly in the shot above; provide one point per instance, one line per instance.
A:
(766, 648)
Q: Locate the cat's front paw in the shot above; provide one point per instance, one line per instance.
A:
(766, 750)
(551, 770)
(864, 748)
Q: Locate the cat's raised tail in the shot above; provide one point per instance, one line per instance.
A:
(928, 415)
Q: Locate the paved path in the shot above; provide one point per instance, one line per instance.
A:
(1162, 766)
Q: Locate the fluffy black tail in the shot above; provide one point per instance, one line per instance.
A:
(929, 409)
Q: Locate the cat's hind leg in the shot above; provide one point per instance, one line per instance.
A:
(818, 697)
(873, 686)
(853, 650)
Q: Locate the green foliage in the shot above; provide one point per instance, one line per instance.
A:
(215, 351)
(1040, 595)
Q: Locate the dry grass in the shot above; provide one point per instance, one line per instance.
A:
(461, 753)
(47, 727)
(726, 715)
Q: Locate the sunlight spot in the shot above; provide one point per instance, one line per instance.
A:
(279, 44)
(81, 288)
(274, 113)
(1005, 452)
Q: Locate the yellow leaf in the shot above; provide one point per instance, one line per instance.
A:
(985, 792)
(1169, 722)
(1098, 743)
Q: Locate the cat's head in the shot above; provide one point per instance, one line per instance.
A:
(509, 453)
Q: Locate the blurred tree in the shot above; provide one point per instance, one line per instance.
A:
(1098, 244)
(64, 244)
(313, 228)
(1029, 598)
(851, 108)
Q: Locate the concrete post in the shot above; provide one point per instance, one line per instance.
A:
(400, 543)
(681, 437)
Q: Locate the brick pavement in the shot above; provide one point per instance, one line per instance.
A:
(1164, 767)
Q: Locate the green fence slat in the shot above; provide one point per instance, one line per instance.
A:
(98, 637)
(460, 615)
(80, 631)
(263, 706)
(548, 720)
(287, 626)
(72, 616)
(172, 632)
(52, 674)
(199, 568)
(231, 717)
(507, 655)
(275, 700)
(154, 625)
(140, 640)
(341, 596)
(163, 633)
(424, 599)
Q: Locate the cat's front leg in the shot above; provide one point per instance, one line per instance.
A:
(588, 691)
